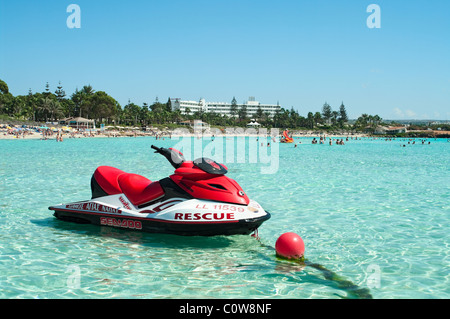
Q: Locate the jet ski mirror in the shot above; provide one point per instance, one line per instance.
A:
(175, 157)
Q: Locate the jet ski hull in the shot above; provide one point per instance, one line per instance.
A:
(241, 227)
(179, 216)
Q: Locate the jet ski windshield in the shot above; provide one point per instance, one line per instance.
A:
(210, 166)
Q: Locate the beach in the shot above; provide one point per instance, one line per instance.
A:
(8, 131)
(36, 132)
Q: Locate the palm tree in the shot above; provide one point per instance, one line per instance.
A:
(18, 105)
(45, 106)
(88, 90)
(150, 117)
(318, 118)
(370, 120)
(55, 109)
(377, 120)
(176, 116)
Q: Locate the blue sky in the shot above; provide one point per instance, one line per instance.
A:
(300, 53)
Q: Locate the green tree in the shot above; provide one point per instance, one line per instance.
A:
(234, 108)
(318, 118)
(276, 117)
(3, 87)
(47, 90)
(55, 109)
(159, 111)
(101, 106)
(44, 107)
(144, 114)
(266, 117)
(131, 113)
(334, 117)
(31, 102)
(60, 93)
(293, 118)
(176, 116)
(18, 106)
(242, 113)
(81, 98)
(6, 98)
(361, 122)
(377, 120)
(169, 105)
(310, 120)
(343, 118)
(326, 112)
(259, 113)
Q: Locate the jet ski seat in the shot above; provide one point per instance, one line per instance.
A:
(105, 182)
(139, 189)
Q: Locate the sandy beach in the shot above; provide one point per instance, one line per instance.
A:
(14, 132)
(116, 134)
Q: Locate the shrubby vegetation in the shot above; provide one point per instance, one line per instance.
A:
(98, 105)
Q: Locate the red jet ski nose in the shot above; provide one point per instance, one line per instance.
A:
(210, 183)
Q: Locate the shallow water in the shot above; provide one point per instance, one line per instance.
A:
(373, 212)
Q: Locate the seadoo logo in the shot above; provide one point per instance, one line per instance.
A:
(122, 223)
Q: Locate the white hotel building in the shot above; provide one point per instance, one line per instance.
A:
(223, 107)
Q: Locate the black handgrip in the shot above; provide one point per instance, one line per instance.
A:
(174, 158)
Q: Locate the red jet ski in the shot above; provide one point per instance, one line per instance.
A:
(197, 200)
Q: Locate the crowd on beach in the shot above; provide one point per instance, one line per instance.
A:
(8, 131)
(40, 132)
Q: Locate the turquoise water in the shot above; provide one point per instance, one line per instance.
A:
(371, 211)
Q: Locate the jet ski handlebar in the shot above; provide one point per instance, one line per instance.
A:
(174, 156)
